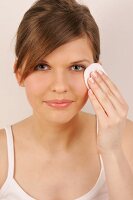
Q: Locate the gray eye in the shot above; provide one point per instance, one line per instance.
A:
(78, 67)
(41, 67)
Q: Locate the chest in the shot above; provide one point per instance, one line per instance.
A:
(58, 179)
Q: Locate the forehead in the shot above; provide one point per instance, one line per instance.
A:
(77, 49)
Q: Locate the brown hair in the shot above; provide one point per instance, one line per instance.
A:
(48, 24)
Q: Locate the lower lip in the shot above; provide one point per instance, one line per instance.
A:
(59, 105)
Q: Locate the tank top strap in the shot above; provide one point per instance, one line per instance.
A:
(10, 151)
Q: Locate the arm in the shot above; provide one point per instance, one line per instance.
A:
(111, 110)
(119, 175)
(3, 157)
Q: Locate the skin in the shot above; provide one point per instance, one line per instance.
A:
(60, 82)
(68, 149)
(59, 139)
(111, 110)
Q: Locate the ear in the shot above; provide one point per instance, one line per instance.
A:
(18, 75)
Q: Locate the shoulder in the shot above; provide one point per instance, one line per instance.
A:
(127, 142)
(2, 139)
(3, 156)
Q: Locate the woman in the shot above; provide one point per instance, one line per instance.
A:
(60, 152)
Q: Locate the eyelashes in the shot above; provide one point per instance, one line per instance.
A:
(81, 66)
(45, 67)
(39, 67)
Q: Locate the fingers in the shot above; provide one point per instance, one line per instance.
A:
(107, 94)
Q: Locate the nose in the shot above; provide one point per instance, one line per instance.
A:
(60, 82)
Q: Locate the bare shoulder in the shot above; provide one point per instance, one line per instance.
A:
(2, 140)
(3, 156)
(128, 141)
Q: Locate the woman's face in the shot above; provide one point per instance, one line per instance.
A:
(59, 77)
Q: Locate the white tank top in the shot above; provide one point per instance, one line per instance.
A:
(11, 190)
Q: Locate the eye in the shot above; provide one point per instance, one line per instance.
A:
(41, 67)
(78, 68)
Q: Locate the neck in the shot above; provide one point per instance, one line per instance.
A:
(55, 137)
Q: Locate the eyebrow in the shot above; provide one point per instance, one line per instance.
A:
(77, 61)
(83, 60)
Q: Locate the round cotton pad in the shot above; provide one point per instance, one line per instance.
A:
(91, 68)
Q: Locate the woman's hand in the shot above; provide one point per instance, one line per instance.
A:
(111, 110)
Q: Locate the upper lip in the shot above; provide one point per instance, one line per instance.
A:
(59, 101)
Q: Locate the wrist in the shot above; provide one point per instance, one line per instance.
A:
(110, 151)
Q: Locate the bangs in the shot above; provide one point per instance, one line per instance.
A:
(48, 25)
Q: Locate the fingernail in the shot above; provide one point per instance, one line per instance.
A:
(91, 80)
(94, 74)
(100, 72)
(90, 92)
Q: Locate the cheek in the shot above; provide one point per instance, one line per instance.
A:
(36, 85)
(80, 90)
(35, 88)
(79, 85)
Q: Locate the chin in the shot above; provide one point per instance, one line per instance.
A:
(61, 117)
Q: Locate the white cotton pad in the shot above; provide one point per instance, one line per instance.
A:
(91, 68)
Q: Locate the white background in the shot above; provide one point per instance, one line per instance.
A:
(115, 21)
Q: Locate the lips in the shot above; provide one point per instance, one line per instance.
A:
(59, 104)
(57, 101)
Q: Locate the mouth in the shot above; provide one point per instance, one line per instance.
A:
(59, 103)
